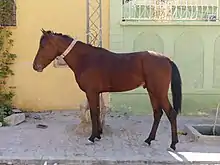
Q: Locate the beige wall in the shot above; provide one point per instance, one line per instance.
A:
(55, 88)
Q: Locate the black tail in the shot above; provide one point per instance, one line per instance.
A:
(176, 87)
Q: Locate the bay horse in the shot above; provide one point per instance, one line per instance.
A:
(99, 70)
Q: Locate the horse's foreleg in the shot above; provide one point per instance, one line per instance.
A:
(93, 99)
(101, 108)
(157, 116)
(171, 115)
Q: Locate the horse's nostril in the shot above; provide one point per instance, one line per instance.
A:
(37, 67)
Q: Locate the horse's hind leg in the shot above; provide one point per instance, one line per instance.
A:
(157, 116)
(171, 115)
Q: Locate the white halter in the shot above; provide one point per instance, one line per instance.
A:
(69, 48)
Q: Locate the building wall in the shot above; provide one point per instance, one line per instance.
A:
(194, 46)
(55, 88)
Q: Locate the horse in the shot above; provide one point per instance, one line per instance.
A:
(98, 70)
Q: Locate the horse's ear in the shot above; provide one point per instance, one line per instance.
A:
(43, 31)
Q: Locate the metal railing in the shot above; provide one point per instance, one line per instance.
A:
(170, 10)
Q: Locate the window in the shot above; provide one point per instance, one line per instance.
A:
(7, 13)
(170, 10)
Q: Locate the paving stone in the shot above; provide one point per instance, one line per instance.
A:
(122, 145)
(15, 119)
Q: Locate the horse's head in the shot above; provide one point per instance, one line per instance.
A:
(51, 46)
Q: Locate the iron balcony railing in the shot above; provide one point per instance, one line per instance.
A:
(170, 10)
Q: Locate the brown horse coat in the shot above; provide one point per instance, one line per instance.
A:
(98, 70)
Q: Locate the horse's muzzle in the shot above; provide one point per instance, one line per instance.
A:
(38, 67)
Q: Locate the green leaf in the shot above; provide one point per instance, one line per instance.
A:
(6, 58)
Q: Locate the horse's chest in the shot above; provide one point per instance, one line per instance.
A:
(88, 79)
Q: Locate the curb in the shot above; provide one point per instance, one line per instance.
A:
(97, 162)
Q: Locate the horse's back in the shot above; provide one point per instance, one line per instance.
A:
(134, 62)
(156, 62)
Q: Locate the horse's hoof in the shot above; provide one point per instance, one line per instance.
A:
(91, 139)
(90, 142)
(173, 147)
(148, 141)
(98, 137)
(170, 149)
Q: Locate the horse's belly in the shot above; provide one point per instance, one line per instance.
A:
(126, 83)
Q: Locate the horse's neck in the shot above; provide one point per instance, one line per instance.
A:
(75, 58)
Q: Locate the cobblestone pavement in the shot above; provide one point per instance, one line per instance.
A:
(122, 142)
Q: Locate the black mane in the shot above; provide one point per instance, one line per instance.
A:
(65, 36)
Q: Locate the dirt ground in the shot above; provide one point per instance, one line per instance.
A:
(123, 140)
